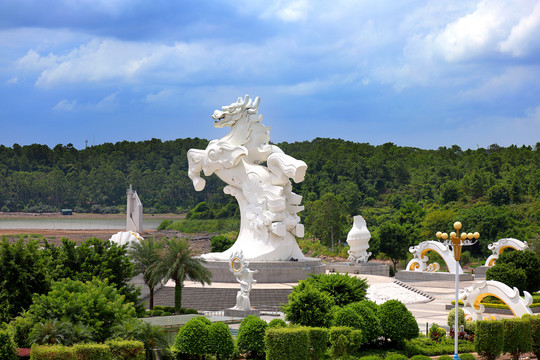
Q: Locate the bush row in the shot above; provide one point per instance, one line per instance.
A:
(511, 336)
(111, 350)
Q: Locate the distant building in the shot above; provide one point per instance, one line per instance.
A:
(67, 212)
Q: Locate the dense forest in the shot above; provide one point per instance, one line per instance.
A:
(495, 191)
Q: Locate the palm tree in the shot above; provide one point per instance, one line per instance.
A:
(176, 263)
(144, 254)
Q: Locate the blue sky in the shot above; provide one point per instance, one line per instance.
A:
(415, 73)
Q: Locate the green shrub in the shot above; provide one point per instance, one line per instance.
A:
(342, 288)
(517, 337)
(508, 274)
(157, 313)
(318, 342)
(164, 224)
(308, 307)
(527, 260)
(467, 356)
(426, 346)
(92, 352)
(451, 318)
(192, 338)
(21, 327)
(339, 341)
(397, 322)
(420, 357)
(348, 317)
(220, 340)
(489, 339)
(436, 333)
(399, 357)
(444, 357)
(7, 346)
(373, 357)
(220, 243)
(470, 327)
(287, 343)
(250, 337)
(371, 326)
(126, 349)
(535, 334)
(356, 340)
(52, 352)
(166, 313)
(277, 323)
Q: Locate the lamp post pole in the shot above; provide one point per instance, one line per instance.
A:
(457, 241)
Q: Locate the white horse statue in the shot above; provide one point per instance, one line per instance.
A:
(268, 207)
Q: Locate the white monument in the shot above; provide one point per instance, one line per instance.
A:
(134, 211)
(502, 244)
(269, 222)
(419, 261)
(133, 220)
(358, 240)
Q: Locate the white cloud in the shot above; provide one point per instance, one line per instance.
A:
(161, 96)
(13, 80)
(524, 34)
(65, 105)
(107, 104)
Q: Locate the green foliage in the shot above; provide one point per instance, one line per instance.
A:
(397, 321)
(512, 262)
(176, 263)
(517, 337)
(220, 341)
(451, 319)
(144, 254)
(126, 349)
(400, 357)
(287, 343)
(436, 333)
(201, 212)
(308, 307)
(251, 334)
(23, 272)
(192, 339)
(535, 334)
(94, 303)
(20, 328)
(277, 323)
(467, 356)
(371, 325)
(318, 342)
(371, 357)
(393, 241)
(52, 352)
(420, 357)
(218, 226)
(339, 341)
(342, 288)
(445, 357)
(92, 352)
(325, 219)
(426, 346)
(7, 346)
(164, 224)
(489, 339)
(348, 317)
(220, 243)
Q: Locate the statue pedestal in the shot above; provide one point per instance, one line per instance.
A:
(431, 276)
(359, 268)
(480, 272)
(269, 271)
(240, 313)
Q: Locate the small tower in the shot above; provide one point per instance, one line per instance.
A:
(134, 211)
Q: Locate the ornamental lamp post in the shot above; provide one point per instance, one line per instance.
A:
(457, 241)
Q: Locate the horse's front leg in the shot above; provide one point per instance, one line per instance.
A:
(195, 166)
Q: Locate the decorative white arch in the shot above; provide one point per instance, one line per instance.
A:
(419, 262)
(502, 244)
(473, 295)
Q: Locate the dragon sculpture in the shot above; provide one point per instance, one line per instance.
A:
(269, 222)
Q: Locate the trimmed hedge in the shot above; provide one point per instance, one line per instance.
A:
(318, 342)
(339, 341)
(397, 322)
(348, 317)
(251, 336)
(517, 337)
(489, 339)
(52, 352)
(399, 357)
(277, 323)
(126, 349)
(192, 338)
(92, 352)
(371, 325)
(450, 321)
(420, 357)
(535, 334)
(221, 343)
(467, 356)
(444, 357)
(7, 346)
(287, 343)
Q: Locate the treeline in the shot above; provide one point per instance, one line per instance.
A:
(385, 182)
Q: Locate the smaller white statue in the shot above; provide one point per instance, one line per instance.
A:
(239, 267)
(502, 244)
(358, 240)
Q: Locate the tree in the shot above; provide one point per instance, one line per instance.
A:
(145, 255)
(517, 268)
(309, 307)
(342, 288)
(393, 241)
(23, 272)
(94, 303)
(176, 263)
(325, 219)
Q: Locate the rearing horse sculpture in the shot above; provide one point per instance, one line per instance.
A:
(268, 207)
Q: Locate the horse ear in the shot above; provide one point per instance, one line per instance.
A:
(256, 103)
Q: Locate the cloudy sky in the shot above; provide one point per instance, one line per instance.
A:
(415, 73)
